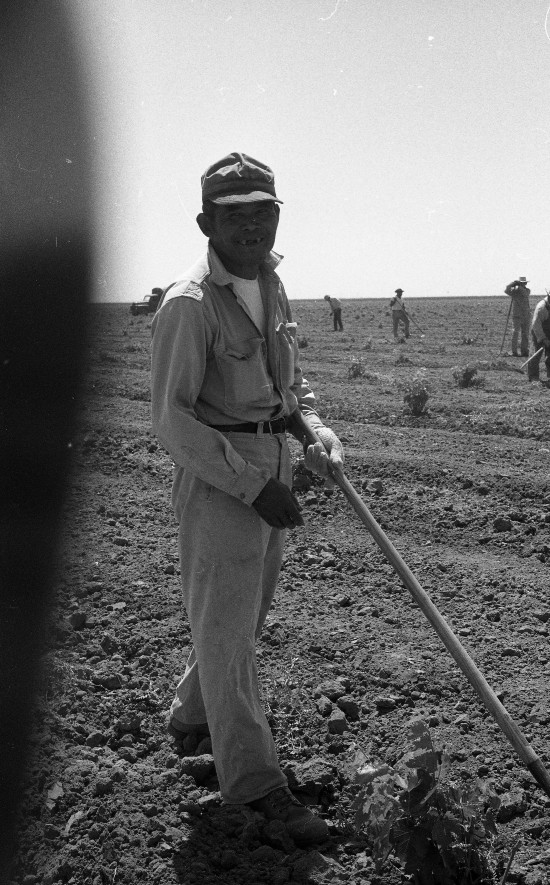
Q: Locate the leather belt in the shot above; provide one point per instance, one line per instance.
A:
(277, 426)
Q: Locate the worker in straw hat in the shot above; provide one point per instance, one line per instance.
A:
(226, 379)
(521, 314)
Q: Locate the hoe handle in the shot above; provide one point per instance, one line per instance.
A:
(506, 327)
(415, 323)
(532, 357)
(438, 622)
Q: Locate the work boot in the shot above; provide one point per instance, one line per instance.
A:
(301, 824)
(179, 731)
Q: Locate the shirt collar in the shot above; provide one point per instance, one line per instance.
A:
(219, 274)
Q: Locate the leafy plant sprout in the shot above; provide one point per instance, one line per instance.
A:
(441, 832)
(356, 368)
(465, 376)
(416, 395)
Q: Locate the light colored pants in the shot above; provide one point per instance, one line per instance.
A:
(230, 560)
(399, 316)
(521, 327)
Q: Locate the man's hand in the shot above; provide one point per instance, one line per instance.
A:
(278, 506)
(319, 458)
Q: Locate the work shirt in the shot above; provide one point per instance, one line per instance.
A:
(211, 365)
(335, 304)
(540, 327)
(396, 303)
(520, 299)
(250, 297)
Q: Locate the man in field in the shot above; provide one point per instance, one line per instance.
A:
(336, 310)
(540, 335)
(226, 379)
(399, 314)
(521, 314)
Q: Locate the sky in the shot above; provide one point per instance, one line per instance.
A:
(410, 139)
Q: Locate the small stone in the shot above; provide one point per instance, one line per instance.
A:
(463, 722)
(512, 804)
(324, 705)
(376, 486)
(107, 678)
(128, 723)
(343, 601)
(337, 723)
(170, 569)
(211, 800)
(502, 524)
(384, 703)
(332, 689)
(95, 739)
(109, 644)
(102, 787)
(314, 861)
(349, 706)
(310, 777)
(266, 854)
(200, 768)
(77, 620)
(127, 753)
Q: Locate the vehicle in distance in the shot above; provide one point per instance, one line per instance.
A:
(148, 304)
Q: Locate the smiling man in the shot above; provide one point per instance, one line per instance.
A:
(226, 380)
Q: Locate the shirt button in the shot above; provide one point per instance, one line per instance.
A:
(242, 495)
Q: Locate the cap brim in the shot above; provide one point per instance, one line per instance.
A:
(252, 197)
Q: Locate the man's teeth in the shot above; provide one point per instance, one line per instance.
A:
(250, 242)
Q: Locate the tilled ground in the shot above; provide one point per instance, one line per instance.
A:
(346, 657)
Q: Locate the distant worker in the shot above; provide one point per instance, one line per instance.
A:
(336, 311)
(399, 314)
(521, 314)
(540, 334)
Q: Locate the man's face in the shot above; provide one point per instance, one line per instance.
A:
(243, 234)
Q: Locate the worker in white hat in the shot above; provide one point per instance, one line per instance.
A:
(399, 314)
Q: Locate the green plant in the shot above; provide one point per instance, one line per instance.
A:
(440, 831)
(465, 376)
(356, 368)
(416, 395)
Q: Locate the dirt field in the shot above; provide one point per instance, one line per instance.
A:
(463, 492)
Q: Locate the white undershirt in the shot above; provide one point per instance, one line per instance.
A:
(249, 295)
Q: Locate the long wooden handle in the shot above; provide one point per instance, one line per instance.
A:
(532, 357)
(438, 622)
(505, 327)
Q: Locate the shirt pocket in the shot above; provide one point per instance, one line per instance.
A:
(286, 346)
(243, 374)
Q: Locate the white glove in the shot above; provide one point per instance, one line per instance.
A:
(317, 459)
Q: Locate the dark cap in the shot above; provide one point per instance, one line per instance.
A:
(238, 178)
(398, 290)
